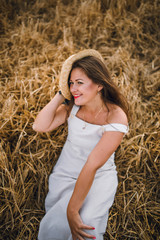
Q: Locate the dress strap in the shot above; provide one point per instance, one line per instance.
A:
(74, 110)
(116, 127)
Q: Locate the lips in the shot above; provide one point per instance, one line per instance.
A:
(76, 96)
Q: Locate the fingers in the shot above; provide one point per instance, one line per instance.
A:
(81, 237)
(84, 234)
(80, 234)
(84, 226)
(77, 237)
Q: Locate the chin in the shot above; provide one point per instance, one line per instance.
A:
(78, 103)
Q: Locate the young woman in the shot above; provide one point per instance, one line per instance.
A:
(83, 183)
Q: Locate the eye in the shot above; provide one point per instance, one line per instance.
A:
(70, 83)
(80, 82)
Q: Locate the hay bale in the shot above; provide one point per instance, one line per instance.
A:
(36, 37)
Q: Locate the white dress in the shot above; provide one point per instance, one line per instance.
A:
(94, 212)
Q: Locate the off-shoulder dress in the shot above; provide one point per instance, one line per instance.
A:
(82, 138)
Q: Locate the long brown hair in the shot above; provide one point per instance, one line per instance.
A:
(96, 70)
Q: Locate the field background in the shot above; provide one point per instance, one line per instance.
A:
(36, 37)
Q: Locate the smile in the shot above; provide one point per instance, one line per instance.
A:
(77, 96)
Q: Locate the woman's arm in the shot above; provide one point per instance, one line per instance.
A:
(100, 154)
(52, 115)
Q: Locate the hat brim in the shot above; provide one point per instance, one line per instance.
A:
(67, 66)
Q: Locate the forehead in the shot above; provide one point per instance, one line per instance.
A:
(78, 73)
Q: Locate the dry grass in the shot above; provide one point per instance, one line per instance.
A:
(36, 37)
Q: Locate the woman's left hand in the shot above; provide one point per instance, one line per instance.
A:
(77, 226)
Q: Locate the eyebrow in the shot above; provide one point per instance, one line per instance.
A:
(77, 79)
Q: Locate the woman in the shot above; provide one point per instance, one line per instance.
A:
(83, 183)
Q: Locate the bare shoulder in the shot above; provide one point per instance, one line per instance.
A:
(117, 115)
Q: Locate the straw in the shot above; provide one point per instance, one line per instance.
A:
(36, 37)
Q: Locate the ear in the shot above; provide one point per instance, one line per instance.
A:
(100, 87)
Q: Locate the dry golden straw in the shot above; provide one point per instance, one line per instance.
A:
(36, 37)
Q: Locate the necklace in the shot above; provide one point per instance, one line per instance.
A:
(85, 123)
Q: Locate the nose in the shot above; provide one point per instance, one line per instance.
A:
(73, 87)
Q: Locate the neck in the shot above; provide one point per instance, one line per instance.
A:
(93, 107)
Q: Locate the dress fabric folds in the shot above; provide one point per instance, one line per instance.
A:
(94, 212)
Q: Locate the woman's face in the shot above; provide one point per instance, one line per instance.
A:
(82, 88)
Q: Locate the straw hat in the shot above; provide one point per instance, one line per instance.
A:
(67, 66)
